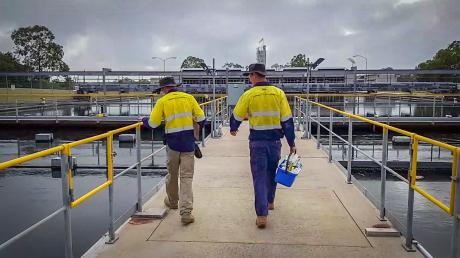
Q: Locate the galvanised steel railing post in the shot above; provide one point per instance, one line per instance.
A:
(309, 105)
(213, 119)
(296, 114)
(17, 111)
(109, 162)
(350, 149)
(66, 200)
(408, 245)
(318, 128)
(138, 106)
(456, 215)
(305, 119)
(383, 173)
(330, 135)
(139, 175)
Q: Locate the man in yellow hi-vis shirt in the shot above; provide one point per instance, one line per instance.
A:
(179, 110)
(270, 119)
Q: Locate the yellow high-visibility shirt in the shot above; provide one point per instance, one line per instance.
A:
(178, 110)
(266, 107)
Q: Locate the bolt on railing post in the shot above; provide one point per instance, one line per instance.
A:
(139, 175)
(318, 128)
(410, 203)
(383, 173)
(456, 215)
(350, 149)
(330, 135)
(66, 200)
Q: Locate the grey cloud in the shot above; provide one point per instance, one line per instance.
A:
(126, 34)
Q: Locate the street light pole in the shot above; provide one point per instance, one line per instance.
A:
(164, 61)
(104, 71)
(365, 59)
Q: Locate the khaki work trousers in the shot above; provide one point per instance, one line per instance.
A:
(185, 162)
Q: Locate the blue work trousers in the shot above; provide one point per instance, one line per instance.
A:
(264, 161)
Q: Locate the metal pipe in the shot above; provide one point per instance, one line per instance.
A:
(410, 203)
(66, 200)
(456, 216)
(305, 120)
(109, 157)
(383, 174)
(330, 136)
(309, 118)
(318, 128)
(350, 149)
(139, 175)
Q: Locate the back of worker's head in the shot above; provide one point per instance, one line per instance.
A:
(256, 73)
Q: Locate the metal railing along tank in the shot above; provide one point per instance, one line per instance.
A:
(302, 114)
(68, 199)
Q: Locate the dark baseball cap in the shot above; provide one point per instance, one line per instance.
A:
(168, 82)
(256, 68)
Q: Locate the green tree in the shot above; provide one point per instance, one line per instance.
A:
(298, 61)
(192, 62)
(448, 58)
(35, 48)
(8, 63)
(277, 66)
(232, 65)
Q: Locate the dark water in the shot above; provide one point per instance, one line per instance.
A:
(28, 195)
(432, 226)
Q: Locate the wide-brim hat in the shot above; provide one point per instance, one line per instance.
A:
(168, 82)
(256, 68)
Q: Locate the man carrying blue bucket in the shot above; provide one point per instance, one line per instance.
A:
(270, 118)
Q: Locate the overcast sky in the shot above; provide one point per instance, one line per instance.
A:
(124, 35)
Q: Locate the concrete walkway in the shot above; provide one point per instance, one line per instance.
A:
(320, 216)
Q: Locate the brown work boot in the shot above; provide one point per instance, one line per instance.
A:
(261, 221)
(169, 204)
(271, 206)
(187, 218)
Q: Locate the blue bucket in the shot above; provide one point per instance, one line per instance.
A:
(284, 177)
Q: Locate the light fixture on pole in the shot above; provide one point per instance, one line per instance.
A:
(311, 66)
(164, 61)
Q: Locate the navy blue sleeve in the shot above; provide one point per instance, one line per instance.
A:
(288, 130)
(145, 120)
(234, 124)
(201, 123)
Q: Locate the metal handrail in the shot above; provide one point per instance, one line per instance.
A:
(67, 178)
(302, 108)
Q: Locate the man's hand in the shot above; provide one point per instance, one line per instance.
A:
(293, 150)
(233, 133)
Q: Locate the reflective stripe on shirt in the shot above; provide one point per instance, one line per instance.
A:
(264, 127)
(178, 115)
(265, 113)
(178, 129)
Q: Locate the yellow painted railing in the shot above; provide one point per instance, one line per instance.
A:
(415, 139)
(66, 150)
